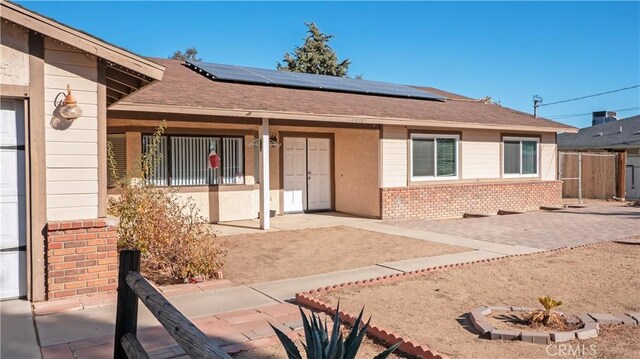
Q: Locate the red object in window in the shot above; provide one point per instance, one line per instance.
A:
(214, 160)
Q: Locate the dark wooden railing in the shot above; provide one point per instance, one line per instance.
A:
(133, 286)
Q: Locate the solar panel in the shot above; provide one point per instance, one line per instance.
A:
(242, 74)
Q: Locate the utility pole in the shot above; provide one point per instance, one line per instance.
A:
(537, 100)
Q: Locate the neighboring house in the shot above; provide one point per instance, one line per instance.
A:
(613, 135)
(52, 170)
(395, 152)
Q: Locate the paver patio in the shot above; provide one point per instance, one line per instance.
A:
(541, 229)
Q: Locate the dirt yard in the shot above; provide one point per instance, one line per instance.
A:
(262, 257)
(432, 309)
(368, 350)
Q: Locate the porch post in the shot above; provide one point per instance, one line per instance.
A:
(264, 174)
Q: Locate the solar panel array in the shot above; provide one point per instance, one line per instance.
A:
(252, 75)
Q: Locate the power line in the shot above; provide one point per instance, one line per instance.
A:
(589, 113)
(588, 96)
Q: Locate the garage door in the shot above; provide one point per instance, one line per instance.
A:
(12, 201)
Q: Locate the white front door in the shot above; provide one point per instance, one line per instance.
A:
(307, 174)
(12, 200)
(319, 170)
(295, 174)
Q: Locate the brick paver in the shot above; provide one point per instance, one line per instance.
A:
(541, 229)
(233, 331)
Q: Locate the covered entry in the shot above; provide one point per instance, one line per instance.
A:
(13, 224)
(306, 172)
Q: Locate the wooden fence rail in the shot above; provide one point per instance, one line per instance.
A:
(133, 286)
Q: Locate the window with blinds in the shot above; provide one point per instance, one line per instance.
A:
(520, 157)
(434, 156)
(119, 150)
(184, 161)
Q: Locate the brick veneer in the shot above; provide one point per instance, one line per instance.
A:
(454, 200)
(81, 258)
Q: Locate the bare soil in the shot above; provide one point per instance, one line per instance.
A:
(262, 257)
(368, 350)
(433, 309)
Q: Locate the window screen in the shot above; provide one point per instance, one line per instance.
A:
(119, 151)
(423, 156)
(512, 157)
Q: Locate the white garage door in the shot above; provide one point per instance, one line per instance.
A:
(12, 201)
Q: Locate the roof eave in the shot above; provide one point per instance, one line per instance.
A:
(80, 40)
(248, 113)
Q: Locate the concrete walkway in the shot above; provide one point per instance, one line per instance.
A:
(17, 331)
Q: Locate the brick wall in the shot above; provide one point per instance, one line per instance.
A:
(453, 200)
(82, 258)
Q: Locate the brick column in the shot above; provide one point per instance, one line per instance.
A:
(81, 258)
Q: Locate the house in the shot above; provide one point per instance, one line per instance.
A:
(608, 133)
(367, 155)
(280, 143)
(53, 192)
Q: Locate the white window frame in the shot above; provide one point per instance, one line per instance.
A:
(435, 138)
(521, 139)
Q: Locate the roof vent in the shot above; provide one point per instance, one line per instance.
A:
(599, 134)
(620, 130)
(601, 117)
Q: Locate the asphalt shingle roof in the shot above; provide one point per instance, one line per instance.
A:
(624, 133)
(182, 86)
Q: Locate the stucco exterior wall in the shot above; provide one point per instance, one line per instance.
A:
(356, 168)
(71, 146)
(14, 55)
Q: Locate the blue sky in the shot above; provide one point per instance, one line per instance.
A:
(509, 51)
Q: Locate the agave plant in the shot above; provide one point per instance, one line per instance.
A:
(322, 345)
(548, 316)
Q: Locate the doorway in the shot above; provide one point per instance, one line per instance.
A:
(306, 174)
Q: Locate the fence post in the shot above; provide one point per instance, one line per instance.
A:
(580, 177)
(127, 306)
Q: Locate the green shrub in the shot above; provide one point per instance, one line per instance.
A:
(176, 242)
(322, 345)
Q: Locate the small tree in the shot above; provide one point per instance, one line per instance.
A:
(315, 56)
(190, 54)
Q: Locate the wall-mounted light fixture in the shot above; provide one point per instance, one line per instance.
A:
(70, 109)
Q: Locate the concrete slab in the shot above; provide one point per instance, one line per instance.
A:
(100, 321)
(445, 238)
(287, 288)
(409, 265)
(17, 333)
(289, 222)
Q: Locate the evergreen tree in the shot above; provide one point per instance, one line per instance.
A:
(315, 56)
(190, 54)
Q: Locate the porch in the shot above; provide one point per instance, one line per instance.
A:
(265, 168)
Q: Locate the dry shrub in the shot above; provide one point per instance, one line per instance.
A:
(176, 242)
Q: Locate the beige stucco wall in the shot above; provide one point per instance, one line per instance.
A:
(71, 146)
(480, 155)
(355, 172)
(14, 55)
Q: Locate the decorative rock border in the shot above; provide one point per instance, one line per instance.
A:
(407, 345)
(590, 328)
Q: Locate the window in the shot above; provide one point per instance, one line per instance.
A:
(434, 156)
(119, 150)
(184, 161)
(520, 158)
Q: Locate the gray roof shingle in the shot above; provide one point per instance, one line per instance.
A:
(621, 134)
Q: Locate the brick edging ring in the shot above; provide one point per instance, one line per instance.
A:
(407, 345)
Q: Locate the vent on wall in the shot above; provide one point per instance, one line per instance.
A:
(119, 148)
